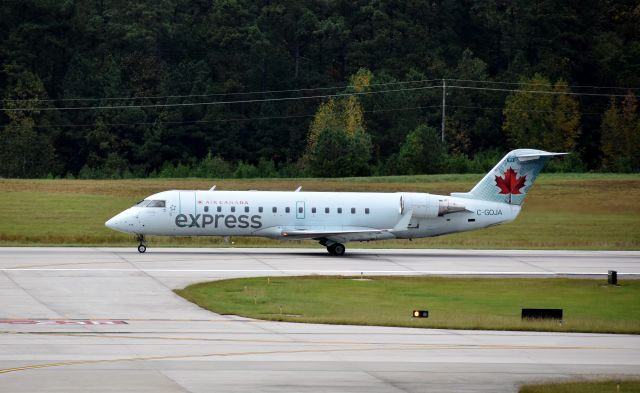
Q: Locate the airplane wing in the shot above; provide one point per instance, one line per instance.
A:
(312, 233)
(336, 233)
(344, 234)
(339, 235)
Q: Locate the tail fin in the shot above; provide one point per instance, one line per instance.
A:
(510, 180)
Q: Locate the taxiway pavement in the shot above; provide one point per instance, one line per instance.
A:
(106, 320)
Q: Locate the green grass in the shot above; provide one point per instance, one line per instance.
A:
(605, 386)
(564, 211)
(453, 303)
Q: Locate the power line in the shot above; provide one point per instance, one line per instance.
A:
(216, 94)
(278, 99)
(542, 84)
(218, 102)
(237, 119)
(308, 90)
(523, 110)
(259, 118)
(536, 91)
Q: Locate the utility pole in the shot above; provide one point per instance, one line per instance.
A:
(444, 105)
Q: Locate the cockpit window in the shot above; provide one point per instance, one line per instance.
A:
(148, 203)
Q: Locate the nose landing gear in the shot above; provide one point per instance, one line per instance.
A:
(142, 247)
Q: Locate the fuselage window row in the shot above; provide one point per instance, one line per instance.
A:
(274, 209)
(327, 210)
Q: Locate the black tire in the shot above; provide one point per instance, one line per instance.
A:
(336, 249)
(142, 248)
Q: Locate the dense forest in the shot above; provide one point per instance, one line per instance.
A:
(224, 88)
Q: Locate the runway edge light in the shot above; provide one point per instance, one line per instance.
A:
(420, 313)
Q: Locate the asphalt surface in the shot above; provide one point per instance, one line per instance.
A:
(106, 320)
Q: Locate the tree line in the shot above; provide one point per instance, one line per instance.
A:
(237, 88)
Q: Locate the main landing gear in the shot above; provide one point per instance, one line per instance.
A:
(336, 249)
(333, 247)
(142, 247)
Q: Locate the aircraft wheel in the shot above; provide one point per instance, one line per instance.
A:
(336, 249)
(142, 248)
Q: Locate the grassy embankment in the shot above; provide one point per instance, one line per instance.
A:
(455, 303)
(564, 211)
(605, 386)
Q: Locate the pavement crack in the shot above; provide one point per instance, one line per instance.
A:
(143, 271)
(173, 381)
(45, 305)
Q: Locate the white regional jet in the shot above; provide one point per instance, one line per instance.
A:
(334, 218)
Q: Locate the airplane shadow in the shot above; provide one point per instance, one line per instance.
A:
(324, 254)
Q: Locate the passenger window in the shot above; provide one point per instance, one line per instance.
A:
(313, 210)
(156, 204)
(287, 210)
(206, 209)
(260, 209)
(353, 210)
(326, 210)
(233, 209)
(246, 209)
(366, 210)
(219, 209)
(339, 210)
(275, 209)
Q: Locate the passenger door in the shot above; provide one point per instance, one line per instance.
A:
(300, 213)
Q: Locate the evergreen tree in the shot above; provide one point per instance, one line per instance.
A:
(546, 119)
(621, 136)
(527, 115)
(338, 144)
(167, 52)
(422, 152)
(338, 154)
(24, 152)
(468, 130)
(565, 121)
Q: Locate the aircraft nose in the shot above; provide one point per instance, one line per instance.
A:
(118, 222)
(111, 223)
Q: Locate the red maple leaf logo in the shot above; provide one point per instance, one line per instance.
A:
(511, 183)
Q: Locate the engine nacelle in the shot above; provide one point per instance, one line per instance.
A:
(428, 206)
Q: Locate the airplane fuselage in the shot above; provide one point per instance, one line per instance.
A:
(333, 218)
(272, 213)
